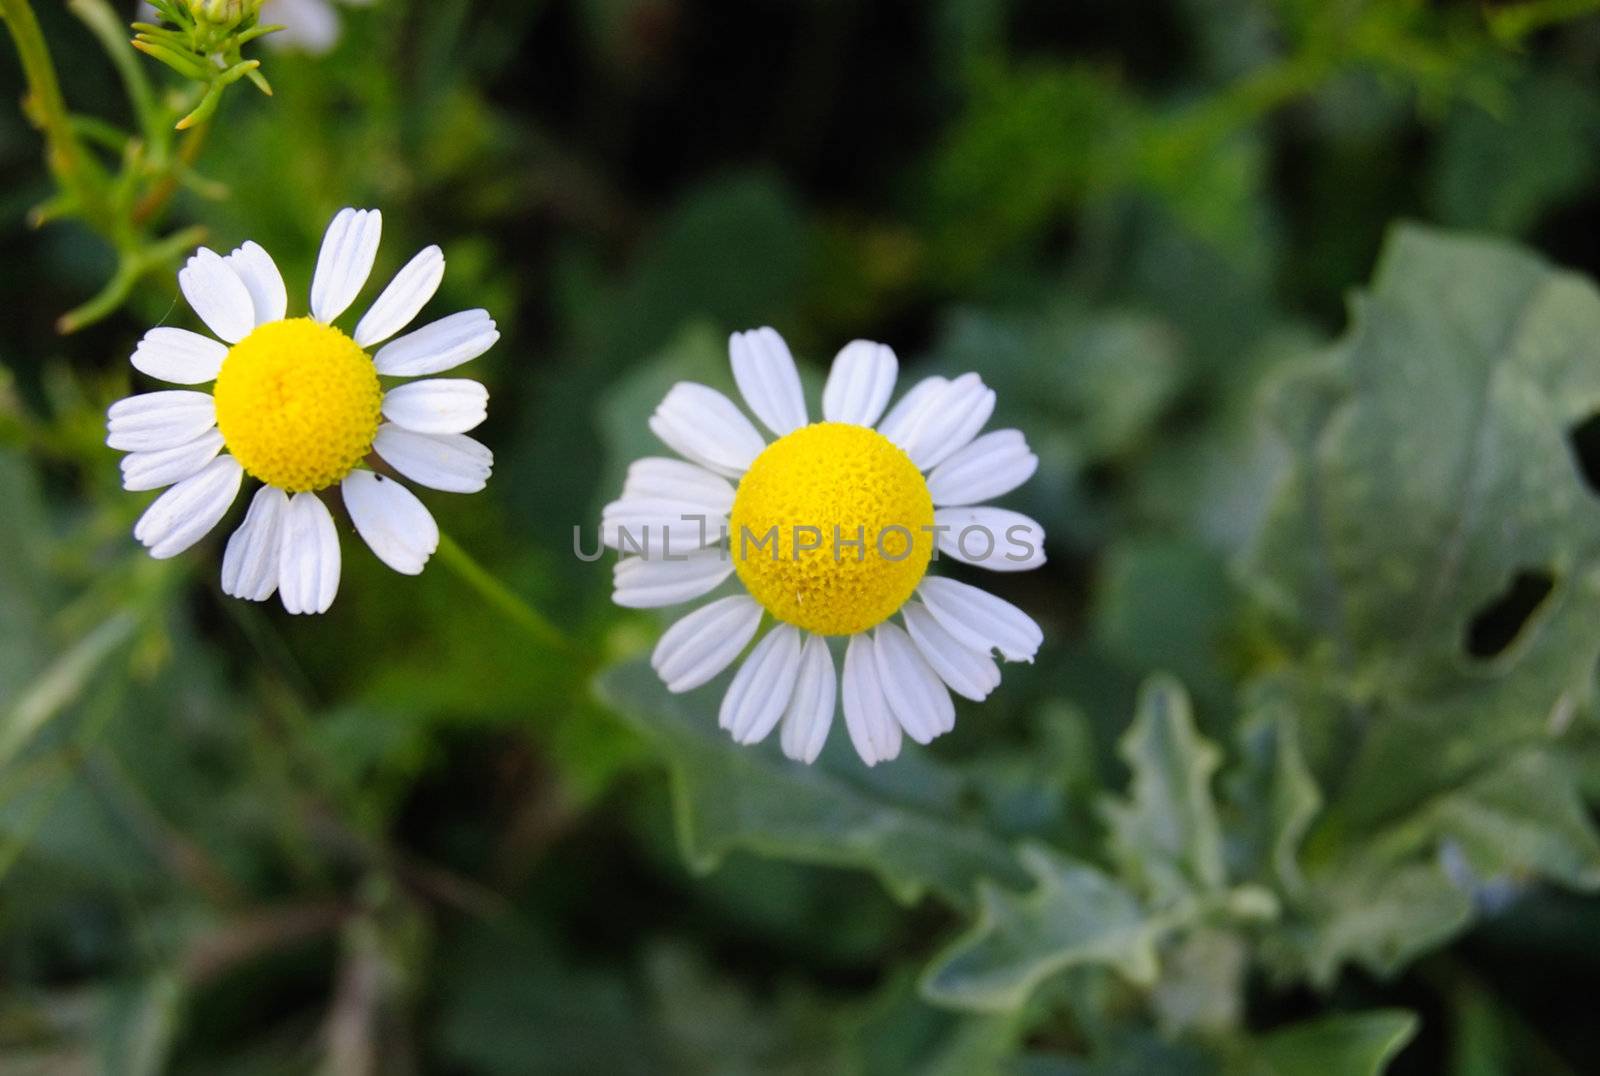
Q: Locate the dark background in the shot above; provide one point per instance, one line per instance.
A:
(397, 838)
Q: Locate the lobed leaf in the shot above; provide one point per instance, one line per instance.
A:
(1166, 837)
(1075, 915)
(901, 823)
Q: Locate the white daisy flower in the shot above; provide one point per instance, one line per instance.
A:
(299, 406)
(830, 528)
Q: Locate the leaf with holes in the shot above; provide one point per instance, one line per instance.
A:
(1433, 491)
(1432, 551)
(1432, 464)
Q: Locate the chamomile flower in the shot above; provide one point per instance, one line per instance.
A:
(301, 407)
(831, 529)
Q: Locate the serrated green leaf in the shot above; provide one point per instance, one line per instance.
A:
(1075, 915)
(1523, 818)
(1380, 915)
(1166, 836)
(1432, 464)
(902, 822)
(1430, 467)
(1389, 897)
(1275, 798)
(1345, 1044)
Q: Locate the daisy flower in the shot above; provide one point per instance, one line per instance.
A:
(301, 407)
(830, 528)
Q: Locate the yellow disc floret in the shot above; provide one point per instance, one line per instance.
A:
(832, 528)
(298, 404)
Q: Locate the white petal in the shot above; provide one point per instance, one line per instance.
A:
(186, 513)
(705, 642)
(255, 267)
(810, 713)
(403, 299)
(250, 563)
(649, 583)
(981, 620)
(767, 379)
(153, 470)
(438, 346)
(179, 356)
(994, 538)
(153, 421)
(345, 261)
(397, 526)
(678, 480)
(443, 405)
(452, 462)
(704, 426)
(970, 673)
(949, 421)
(915, 696)
(872, 727)
(762, 687)
(860, 383)
(218, 295)
(308, 556)
(659, 528)
(993, 465)
(311, 26)
(904, 416)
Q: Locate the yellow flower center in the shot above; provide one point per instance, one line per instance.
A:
(831, 528)
(298, 404)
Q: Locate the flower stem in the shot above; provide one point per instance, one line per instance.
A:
(73, 168)
(112, 33)
(502, 598)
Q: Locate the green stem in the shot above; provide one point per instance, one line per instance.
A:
(132, 266)
(112, 33)
(68, 161)
(498, 595)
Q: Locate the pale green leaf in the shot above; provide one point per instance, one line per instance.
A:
(1432, 461)
(1523, 818)
(1075, 915)
(901, 822)
(1275, 797)
(1378, 914)
(1166, 836)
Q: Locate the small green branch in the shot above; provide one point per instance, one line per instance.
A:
(132, 266)
(518, 611)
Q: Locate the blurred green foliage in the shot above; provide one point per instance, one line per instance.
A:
(1303, 781)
